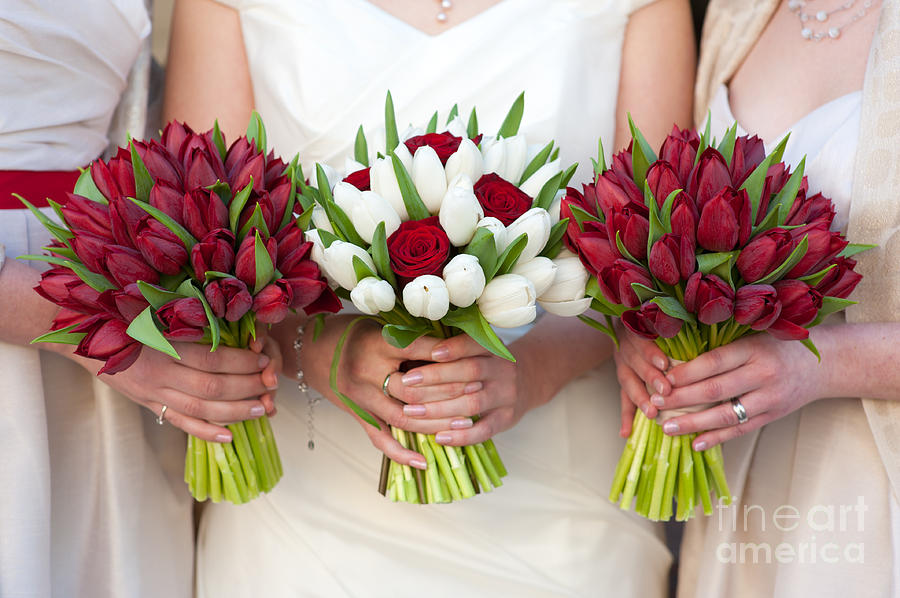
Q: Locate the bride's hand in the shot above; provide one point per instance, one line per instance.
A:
(638, 362)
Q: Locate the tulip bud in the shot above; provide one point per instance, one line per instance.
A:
(271, 304)
(749, 152)
(384, 183)
(757, 306)
(724, 220)
(536, 224)
(203, 211)
(107, 339)
(169, 200)
(709, 297)
(215, 252)
(127, 265)
(616, 279)
(429, 178)
(371, 210)
(228, 298)
(467, 160)
(465, 279)
(84, 215)
(160, 247)
(684, 218)
(460, 214)
(183, 319)
(427, 297)
(129, 301)
(291, 248)
(840, 280)
(632, 226)
(457, 127)
(245, 259)
(346, 196)
(672, 259)
(810, 210)
(338, 262)
(766, 252)
(507, 158)
(90, 249)
(320, 219)
(650, 322)
(800, 305)
(710, 176)
(566, 295)
(611, 192)
(823, 246)
(679, 149)
(496, 228)
(461, 181)
(541, 271)
(533, 184)
(372, 296)
(65, 289)
(508, 301)
(662, 180)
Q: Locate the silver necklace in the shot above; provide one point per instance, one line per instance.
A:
(823, 16)
(443, 7)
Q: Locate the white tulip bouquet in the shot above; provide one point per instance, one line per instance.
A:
(445, 233)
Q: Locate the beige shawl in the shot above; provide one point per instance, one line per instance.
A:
(731, 29)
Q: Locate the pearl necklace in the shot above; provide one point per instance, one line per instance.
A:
(834, 32)
(445, 5)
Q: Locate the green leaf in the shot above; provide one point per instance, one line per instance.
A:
(672, 307)
(156, 296)
(568, 173)
(432, 124)
(256, 220)
(143, 182)
(63, 336)
(327, 238)
(223, 190)
(392, 138)
(143, 329)
(361, 148)
(621, 247)
(179, 231)
(472, 128)
(726, 148)
(812, 347)
(757, 179)
(657, 228)
(769, 222)
(815, 278)
(707, 262)
(600, 303)
(343, 225)
(415, 207)
(665, 213)
(214, 331)
(256, 132)
(725, 270)
(454, 112)
(86, 187)
(785, 199)
(237, 205)
(789, 262)
(854, 248)
(642, 155)
(265, 269)
(484, 248)
(510, 126)
(318, 326)
(539, 160)
(607, 330)
(332, 378)
(362, 269)
(547, 193)
(380, 256)
(704, 138)
(98, 282)
(403, 336)
(288, 214)
(581, 216)
(778, 153)
(66, 252)
(556, 234)
(219, 140)
(600, 162)
(645, 293)
(60, 233)
(510, 255)
(832, 305)
(470, 321)
(214, 275)
(172, 281)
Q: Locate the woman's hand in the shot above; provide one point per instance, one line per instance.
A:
(639, 362)
(771, 377)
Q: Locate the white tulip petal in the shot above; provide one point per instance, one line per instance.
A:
(320, 220)
(570, 282)
(457, 127)
(383, 181)
(427, 297)
(536, 224)
(372, 296)
(351, 166)
(533, 184)
(466, 160)
(508, 301)
(459, 215)
(465, 279)
(429, 178)
(541, 271)
(497, 229)
(338, 262)
(514, 163)
(568, 309)
(346, 196)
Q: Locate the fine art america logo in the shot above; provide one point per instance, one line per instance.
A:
(818, 534)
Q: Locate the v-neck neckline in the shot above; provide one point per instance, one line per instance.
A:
(447, 31)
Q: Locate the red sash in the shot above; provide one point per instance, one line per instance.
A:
(35, 186)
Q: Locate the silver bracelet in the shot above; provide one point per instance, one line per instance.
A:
(304, 388)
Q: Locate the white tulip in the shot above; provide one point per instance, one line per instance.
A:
(508, 301)
(555, 207)
(506, 157)
(536, 224)
(457, 127)
(427, 297)
(351, 166)
(466, 160)
(369, 211)
(533, 184)
(405, 157)
(497, 229)
(372, 296)
(465, 279)
(410, 132)
(566, 296)
(429, 177)
(338, 262)
(330, 174)
(463, 181)
(541, 271)
(346, 196)
(317, 254)
(320, 220)
(460, 214)
(384, 183)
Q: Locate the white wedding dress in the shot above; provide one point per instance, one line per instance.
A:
(320, 69)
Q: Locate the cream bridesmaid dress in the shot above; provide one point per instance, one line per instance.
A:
(319, 69)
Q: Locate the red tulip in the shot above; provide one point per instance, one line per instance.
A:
(724, 221)
(202, 164)
(359, 179)
(679, 150)
(168, 199)
(824, 246)
(650, 322)
(254, 166)
(84, 215)
(800, 305)
(183, 319)
(127, 265)
(124, 217)
(328, 302)
(228, 298)
(684, 217)
(632, 226)
(814, 209)
(710, 176)
(115, 179)
(662, 180)
(757, 306)
(106, 339)
(174, 136)
(129, 302)
(215, 252)
(271, 304)
(292, 248)
(160, 247)
(266, 209)
(840, 280)
(162, 164)
(596, 251)
(614, 193)
(203, 211)
(305, 280)
(615, 282)
(749, 152)
(90, 250)
(672, 259)
(279, 195)
(245, 260)
(766, 252)
(60, 286)
(709, 297)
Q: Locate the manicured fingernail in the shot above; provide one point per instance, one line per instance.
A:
(658, 401)
(670, 427)
(671, 379)
(257, 410)
(472, 387)
(263, 361)
(412, 378)
(223, 437)
(270, 380)
(414, 410)
(659, 386)
(646, 409)
(440, 353)
(460, 424)
(418, 464)
(700, 446)
(659, 362)
(443, 438)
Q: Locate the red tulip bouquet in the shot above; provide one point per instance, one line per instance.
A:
(693, 249)
(449, 232)
(184, 240)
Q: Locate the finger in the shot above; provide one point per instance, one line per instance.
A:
(225, 360)
(487, 427)
(418, 350)
(733, 383)
(467, 405)
(387, 444)
(391, 411)
(469, 369)
(628, 411)
(415, 395)
(714, 437)
(646, 367)
(457, 347)
(635, 390)
(193, 426)
(647, 351)
(219, 387)
(224, 412)
(708, 364)
(720, 416)
(268, 401)
(271, 349)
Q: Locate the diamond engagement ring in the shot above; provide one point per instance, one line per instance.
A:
(739, 411)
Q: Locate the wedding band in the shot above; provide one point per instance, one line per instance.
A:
(739, 411)
(384, 386)
(161, 418)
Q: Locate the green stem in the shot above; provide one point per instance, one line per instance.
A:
(624, 464)
(480, 474)
(443, 463)
(716, 468)
(659, 483)
(436, 493)
(702, 480)
(686, 480)
(265, 467)
(669, 492)
(229, 484)
(634, 471)
(200, 468)
(215, 477)
(267, 439)
(460, 473)
(488, 465)
(644, 492)
(249, 465)
(495, 457)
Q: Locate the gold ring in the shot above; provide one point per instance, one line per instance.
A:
(161, 418)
